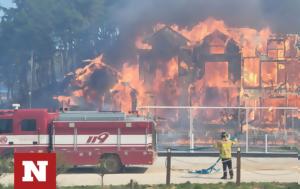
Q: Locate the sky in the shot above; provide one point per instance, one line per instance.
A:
(7, 4)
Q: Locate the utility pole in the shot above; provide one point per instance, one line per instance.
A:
(31, 80)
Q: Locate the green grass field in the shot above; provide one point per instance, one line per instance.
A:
(192, 186)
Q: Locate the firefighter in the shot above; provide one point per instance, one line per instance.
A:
(224, 146)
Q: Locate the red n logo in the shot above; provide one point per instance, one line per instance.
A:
(35, 170)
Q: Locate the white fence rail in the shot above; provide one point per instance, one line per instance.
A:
(263, 129)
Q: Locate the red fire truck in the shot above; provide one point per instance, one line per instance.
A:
(113, 139)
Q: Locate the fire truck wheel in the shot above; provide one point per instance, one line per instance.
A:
(111, 163)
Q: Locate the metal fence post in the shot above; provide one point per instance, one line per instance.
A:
(191, 132)
(247, 132)
(238, 167)
(102, 179)
(266, 143)
(168, 178)
(131, 184)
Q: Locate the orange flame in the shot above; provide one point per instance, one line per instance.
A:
(140, 44)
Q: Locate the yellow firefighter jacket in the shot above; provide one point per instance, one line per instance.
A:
(224, 146)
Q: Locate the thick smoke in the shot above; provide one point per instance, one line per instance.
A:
(101, 81)
(136, 17)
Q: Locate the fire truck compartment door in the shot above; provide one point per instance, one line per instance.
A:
(135, 136)
(65, 135)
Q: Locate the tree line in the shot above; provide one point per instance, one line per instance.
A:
(35, 35)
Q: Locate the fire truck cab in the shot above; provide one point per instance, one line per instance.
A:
(112, 139)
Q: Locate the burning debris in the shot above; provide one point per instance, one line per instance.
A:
(89, 85)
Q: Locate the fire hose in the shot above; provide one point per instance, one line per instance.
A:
(208, 170)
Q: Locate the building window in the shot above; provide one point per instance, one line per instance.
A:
(28, 125)
(6, 125)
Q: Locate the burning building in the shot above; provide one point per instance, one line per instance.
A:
(209, 65)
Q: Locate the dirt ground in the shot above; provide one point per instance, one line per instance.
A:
(253, 170)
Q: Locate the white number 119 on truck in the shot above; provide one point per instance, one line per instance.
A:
(112, 139)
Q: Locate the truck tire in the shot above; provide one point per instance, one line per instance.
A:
(110, 164)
